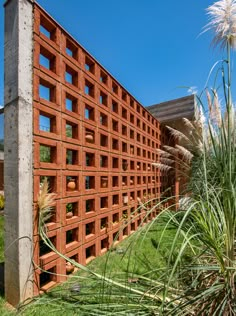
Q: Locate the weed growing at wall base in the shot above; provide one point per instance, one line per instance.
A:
(2, 202)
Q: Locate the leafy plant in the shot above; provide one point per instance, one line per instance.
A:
(69, 208)
(45, 153)
(2, 202)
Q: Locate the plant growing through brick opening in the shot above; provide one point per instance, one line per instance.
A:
(2, 202)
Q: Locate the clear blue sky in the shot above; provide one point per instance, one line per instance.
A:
(152, 47)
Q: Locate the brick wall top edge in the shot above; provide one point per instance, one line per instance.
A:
(40, 8)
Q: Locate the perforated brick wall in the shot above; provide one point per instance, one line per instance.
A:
(95, 144)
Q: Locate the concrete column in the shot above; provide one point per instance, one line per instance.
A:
(18, 150)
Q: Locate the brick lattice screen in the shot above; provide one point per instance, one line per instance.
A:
(95, 144)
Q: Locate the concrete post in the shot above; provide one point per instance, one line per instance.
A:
(18, 150)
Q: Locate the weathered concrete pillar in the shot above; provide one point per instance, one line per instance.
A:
(18, 150)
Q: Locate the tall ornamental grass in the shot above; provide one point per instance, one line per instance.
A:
(207, 221)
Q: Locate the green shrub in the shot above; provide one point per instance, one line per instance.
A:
(2, 202)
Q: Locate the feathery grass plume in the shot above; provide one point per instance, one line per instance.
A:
(167, 161)
(185, 153)
(188, 124)
(162, 167)
(191, 138)
(171, 150)
(177, 134)
(222, 16)
(209, 102)
(45, 202)
(163, 153)
(217, 108)
(182, 164)
(229, 119)
(192, 142)
(214, 107)
(170, 157)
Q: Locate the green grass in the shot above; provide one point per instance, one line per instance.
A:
(136, 255)
(4, 311)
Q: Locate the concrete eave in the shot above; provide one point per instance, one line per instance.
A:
(174, 110)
